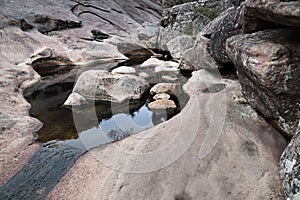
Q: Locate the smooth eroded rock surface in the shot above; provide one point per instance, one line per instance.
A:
(162, 104)
(104, 86)
(169, 88)
(217, 147)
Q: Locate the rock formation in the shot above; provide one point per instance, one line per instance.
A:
(227, 141)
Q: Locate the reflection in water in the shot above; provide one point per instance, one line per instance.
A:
(63, 142)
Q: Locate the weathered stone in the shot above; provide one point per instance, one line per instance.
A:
(170, 88)
(164, 162)
(56, 33)
(152, 62)
(162, 104)
(143, 75)
(104, 86)
(148, 34)
(75, 99)
(290, 168)
(268, 68)
(179, 45)
(170, 78)
(198, 57)
(124, 70)
(162, 96)
(16, 127)
(20, 13)
(186, 19)
(225, 26)
(159, 65)
(48, 62)
(168, 66)
(277, 11)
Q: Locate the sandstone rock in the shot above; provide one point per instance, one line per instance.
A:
(188, 19)
(169, 78)
(16, 127)
(143, 75)
(20, 13)
(104, 86)
(268, 68)
(169, 88)
(56, 33)
(225, 26)
(159, 65)
(179, 45)
(75, 99)
(164, 163)
(152, 62)
(290, 168)
(162, 104)
(124, 70)
(277, 11)
(168, 66)
(147, 31)
(162, 96)
(198, 57)
(148, 34)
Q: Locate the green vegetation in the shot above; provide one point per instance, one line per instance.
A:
(189, 30)
(211, 13)
(171, 3)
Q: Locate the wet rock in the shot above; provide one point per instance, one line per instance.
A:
(198, 56)
(55, 36)
(104, 86)
(268, 68)
(169, 88)
(162, 96)
(246, 151)
(162, 104)
(124, 70)
(75, 99)
(179, 45)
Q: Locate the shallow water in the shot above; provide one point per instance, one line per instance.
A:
(63, 141)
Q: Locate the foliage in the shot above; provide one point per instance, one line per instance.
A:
(211, 13)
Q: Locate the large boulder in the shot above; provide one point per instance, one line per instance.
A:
(168, 161)
(179, 45)
(290, 168)
(284, 12)
(186, 20)
(219, 30)
(104, 86)
(268, 69)
(198, 57)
